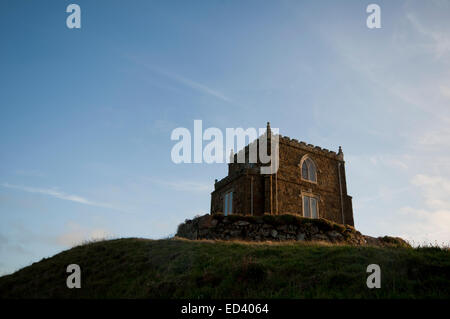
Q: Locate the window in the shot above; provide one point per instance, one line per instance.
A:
(310, 208)
(228, 203)
(309, 170)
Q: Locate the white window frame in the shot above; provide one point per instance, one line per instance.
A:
(317, 198)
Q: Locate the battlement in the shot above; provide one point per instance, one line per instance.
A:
(310, 148)
(298, 144)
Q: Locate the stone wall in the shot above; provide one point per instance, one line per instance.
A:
(282, 193)
(291, 186)
(277, 228)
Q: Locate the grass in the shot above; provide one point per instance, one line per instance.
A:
(175, 268)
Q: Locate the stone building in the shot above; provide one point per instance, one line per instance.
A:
(310, 182)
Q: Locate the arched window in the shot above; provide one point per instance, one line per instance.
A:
(309, 170)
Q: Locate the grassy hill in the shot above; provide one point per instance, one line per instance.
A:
(175, 268)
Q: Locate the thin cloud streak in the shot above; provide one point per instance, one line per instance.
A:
(440, 44)
(186, 186)
(193, 85)
(58, 194)
(197, 86)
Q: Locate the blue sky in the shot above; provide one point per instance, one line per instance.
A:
(86, 115)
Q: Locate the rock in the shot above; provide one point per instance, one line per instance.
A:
(321, 237)
(292, 229)
(235, 233)
(241, 223)
(205, 221)
(313, 230)
(372, 240)
(257, 228)
(203, 232)
(335, 236)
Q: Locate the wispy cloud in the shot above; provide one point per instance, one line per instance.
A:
(58, 194)
(383, 193)
(185, 81)
(440, 41)
(186, 186)
(192, 84)
(393, 161)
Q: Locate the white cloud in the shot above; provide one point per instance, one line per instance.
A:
(58, 194)
(77, 234)
(445, 91)
(422, 226)
(431, 223)
(437, 136)
(435, 189)
(393, 161)
(382, 194)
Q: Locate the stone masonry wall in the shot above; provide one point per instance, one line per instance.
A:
(288, 186)
(291, 186)
(277, 228)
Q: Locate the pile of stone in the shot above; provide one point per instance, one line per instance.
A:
(277, 228)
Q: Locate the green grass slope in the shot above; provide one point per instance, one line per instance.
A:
(140, 268)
